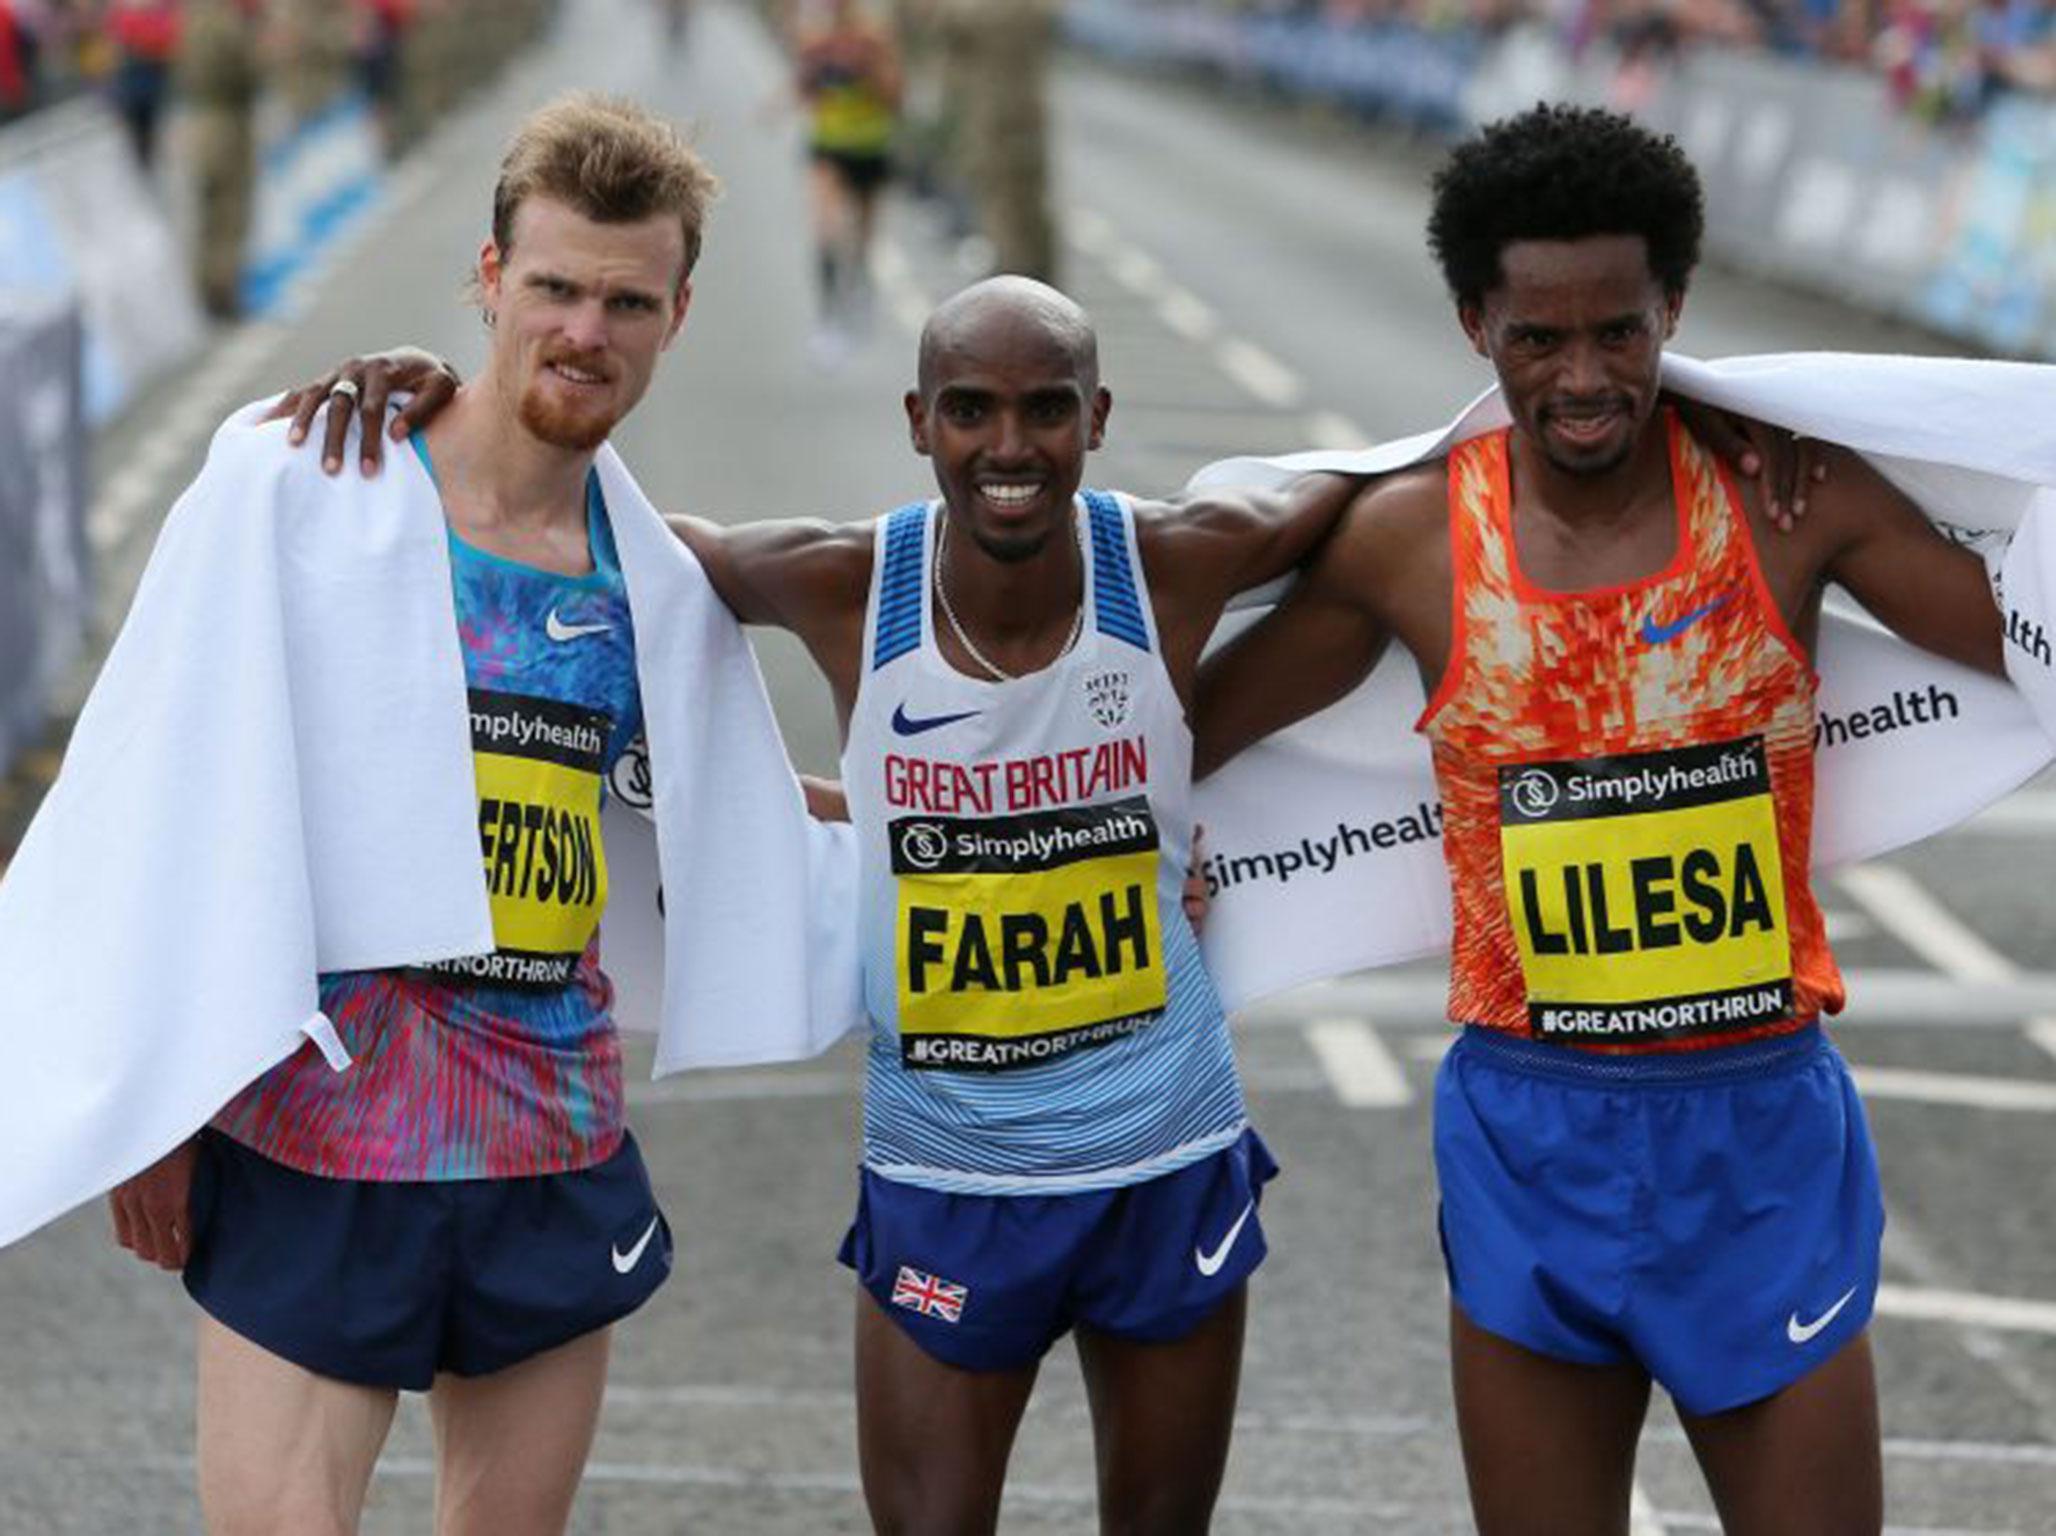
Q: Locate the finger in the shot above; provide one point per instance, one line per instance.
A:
(341, 408)
(305, 403)
(1730, 442)
(434, 393)
(1791, 465)
(370, 413)
(163, 1225)
(124, 1220)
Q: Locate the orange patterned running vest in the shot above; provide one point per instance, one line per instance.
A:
(1627, 780)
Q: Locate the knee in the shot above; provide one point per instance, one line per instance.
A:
(1167, 1512)
(932, 1507)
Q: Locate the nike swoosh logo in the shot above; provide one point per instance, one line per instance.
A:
(1209, 1264)
(1658, 634)
(905, 724)
(1802, 1333)
(559, 631)
(624, 1262)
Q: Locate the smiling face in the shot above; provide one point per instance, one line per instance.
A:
(581, 312)
(1009, 405)
(1575, 330)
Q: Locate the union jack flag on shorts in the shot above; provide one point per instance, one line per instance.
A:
(928, 1295)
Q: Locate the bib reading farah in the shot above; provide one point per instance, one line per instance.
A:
(1024, 937)
(1647, 891)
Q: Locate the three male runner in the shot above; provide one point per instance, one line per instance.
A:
(440, 1216)
(1054, 1133)
(1653, 1164)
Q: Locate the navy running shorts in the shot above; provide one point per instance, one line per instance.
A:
(990, 1282)
(386, 1284)
(1712, 1215)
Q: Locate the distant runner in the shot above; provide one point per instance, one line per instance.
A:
(847, 73)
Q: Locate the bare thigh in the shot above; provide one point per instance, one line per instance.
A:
(281, 1448)
(1548, 1445)
(932, 1439)
(1804, 1462)
(1162, 1417)
(510, 1447)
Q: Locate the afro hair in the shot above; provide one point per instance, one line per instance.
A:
(1561, 172)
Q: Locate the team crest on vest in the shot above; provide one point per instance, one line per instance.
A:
(1108, 698)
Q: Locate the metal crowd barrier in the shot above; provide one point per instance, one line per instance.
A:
(1812, 176)
(45, 591)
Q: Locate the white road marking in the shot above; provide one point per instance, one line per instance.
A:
(1642, 1517)
(1330, 429)
(1188, 315)
(1365, 1074)
(1088, 231)
(2008, 1314)
(2031, 810)
(1137, 271)
(2043, 1033)
(1258, 372)
(1924, 925)
(1955, 1088)
(1844, 924)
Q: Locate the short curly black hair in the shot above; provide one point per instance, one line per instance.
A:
(1559, 172)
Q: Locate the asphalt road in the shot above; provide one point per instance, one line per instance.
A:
(1260, 283)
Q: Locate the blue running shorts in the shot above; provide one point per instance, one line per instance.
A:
(989, 1282)
(386, 1284)
(1711, 1215)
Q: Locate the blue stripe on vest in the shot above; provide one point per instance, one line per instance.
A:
(899, 586)
(1113, 577)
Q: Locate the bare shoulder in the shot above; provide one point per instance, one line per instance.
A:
(1398, 516)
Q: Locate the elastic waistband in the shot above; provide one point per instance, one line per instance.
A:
(1654, 1069)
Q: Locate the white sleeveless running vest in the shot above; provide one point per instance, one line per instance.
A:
(1041, 1021)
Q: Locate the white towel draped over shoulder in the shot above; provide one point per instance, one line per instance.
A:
(1324, 841)
(273, 778)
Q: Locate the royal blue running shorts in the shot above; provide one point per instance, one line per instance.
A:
(1712, 1215)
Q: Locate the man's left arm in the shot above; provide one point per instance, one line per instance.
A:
(1928, 591)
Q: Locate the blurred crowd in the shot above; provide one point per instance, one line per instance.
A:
(1944, 60)
(219, 64)
(408, 57)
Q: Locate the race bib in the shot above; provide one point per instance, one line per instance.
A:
(1646, 892)
(538, 764)
(1024, 938)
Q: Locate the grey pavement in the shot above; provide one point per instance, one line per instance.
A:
(1260, 281)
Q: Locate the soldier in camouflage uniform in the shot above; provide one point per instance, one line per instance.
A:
(219, 77)
(997, 69)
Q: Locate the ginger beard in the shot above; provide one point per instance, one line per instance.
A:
(564, 414)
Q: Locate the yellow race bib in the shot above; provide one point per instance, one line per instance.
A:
(1021, 939)
(538, 764)
(1646, 892)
